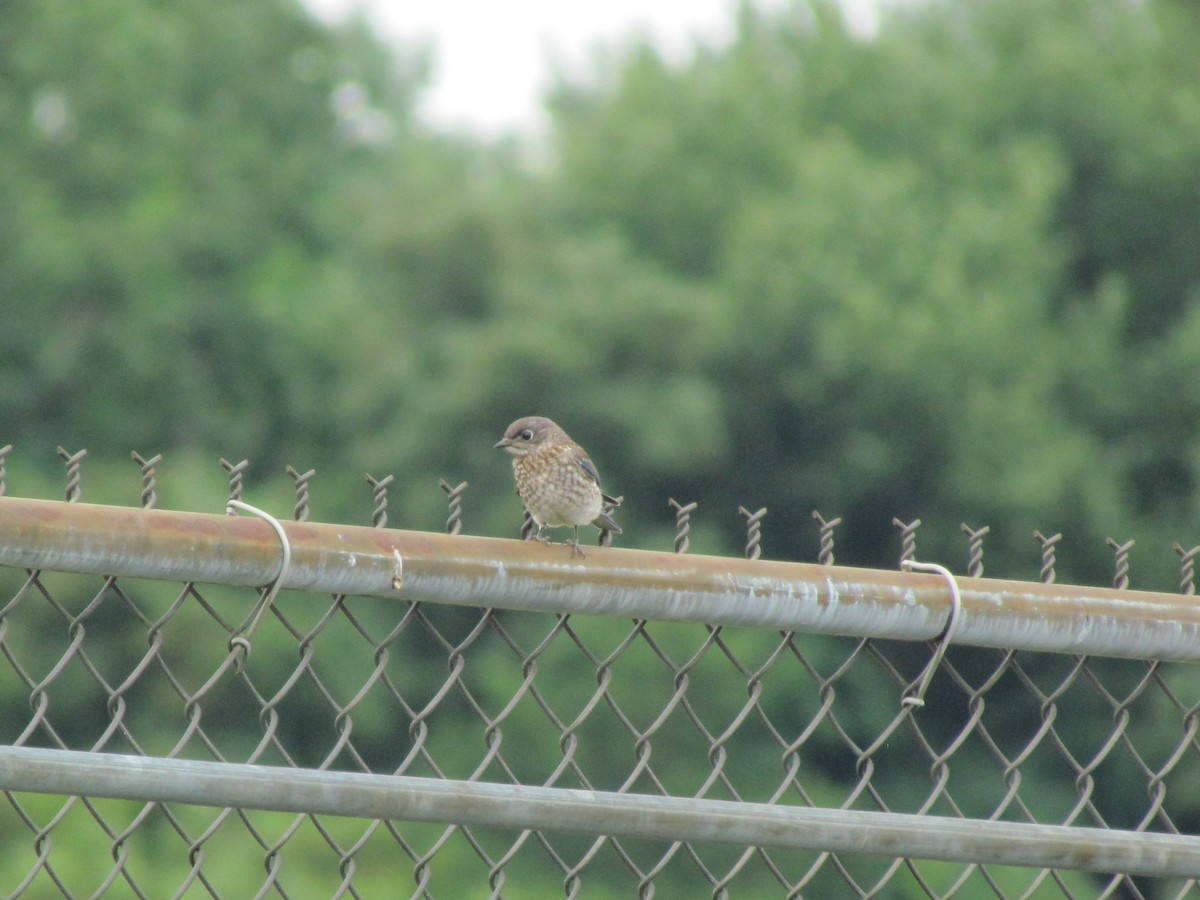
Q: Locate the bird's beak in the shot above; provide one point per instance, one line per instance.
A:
(502, 443)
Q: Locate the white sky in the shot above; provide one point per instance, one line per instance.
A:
(492, 58)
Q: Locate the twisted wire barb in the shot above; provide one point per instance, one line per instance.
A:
(1121, 563)
(528, 527)
(683, 523)
(753, 531)
(4, 451)
(825, 553)
(149, 496)
(300, 512)
(975, 549)
(610, 504)
(235, 471)
(73, 461)
(379, 486)
(908, 539)
(1187, 569)
(1048, 558)
(454, 498)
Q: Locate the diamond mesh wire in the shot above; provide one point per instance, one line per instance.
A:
(360, 684)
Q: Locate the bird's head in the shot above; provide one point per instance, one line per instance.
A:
(526, 435)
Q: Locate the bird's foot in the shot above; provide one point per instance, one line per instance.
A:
(576, 550)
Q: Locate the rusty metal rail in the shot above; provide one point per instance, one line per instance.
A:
(475, 571)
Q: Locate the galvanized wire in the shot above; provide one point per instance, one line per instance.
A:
(753, 531)
(514, 728)
(236, 474)
(975, 549)
(379, 491)
(908, 539)
(1048, 555)
(1187, 569)
(683, 524)
(74, 462)
(454, 499)
(1120, 563)
(302, 479)
(825, 553)
(4, 451)
(149, 496)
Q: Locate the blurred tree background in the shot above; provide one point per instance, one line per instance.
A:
(950, 270)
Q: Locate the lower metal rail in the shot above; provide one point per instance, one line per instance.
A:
(152, 779)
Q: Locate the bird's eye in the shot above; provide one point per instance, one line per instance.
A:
(527, 435)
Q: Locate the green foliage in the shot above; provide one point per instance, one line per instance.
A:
(923, 249)
(943, 272)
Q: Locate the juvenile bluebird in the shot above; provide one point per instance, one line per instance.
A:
(556, 479)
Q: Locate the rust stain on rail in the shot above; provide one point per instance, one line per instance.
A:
(482, 571)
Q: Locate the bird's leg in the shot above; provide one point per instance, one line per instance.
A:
(576, 550)
(539, 535)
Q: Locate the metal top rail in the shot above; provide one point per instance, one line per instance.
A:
(476, 571)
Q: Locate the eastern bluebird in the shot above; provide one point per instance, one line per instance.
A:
(556, 480)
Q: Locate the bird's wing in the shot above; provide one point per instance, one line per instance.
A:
(587, 465)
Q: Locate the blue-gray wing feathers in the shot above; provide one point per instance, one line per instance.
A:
(586, 464)
(604, 520)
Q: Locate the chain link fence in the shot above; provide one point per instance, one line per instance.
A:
(542, 716)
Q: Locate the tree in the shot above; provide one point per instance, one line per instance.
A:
(928, 250)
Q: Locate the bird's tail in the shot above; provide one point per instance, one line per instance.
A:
(604, 520)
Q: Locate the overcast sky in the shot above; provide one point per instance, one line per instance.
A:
(492, 57)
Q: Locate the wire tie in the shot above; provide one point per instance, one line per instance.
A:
(917, 698)
(241, 637)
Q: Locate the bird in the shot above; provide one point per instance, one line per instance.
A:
(556, 479)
